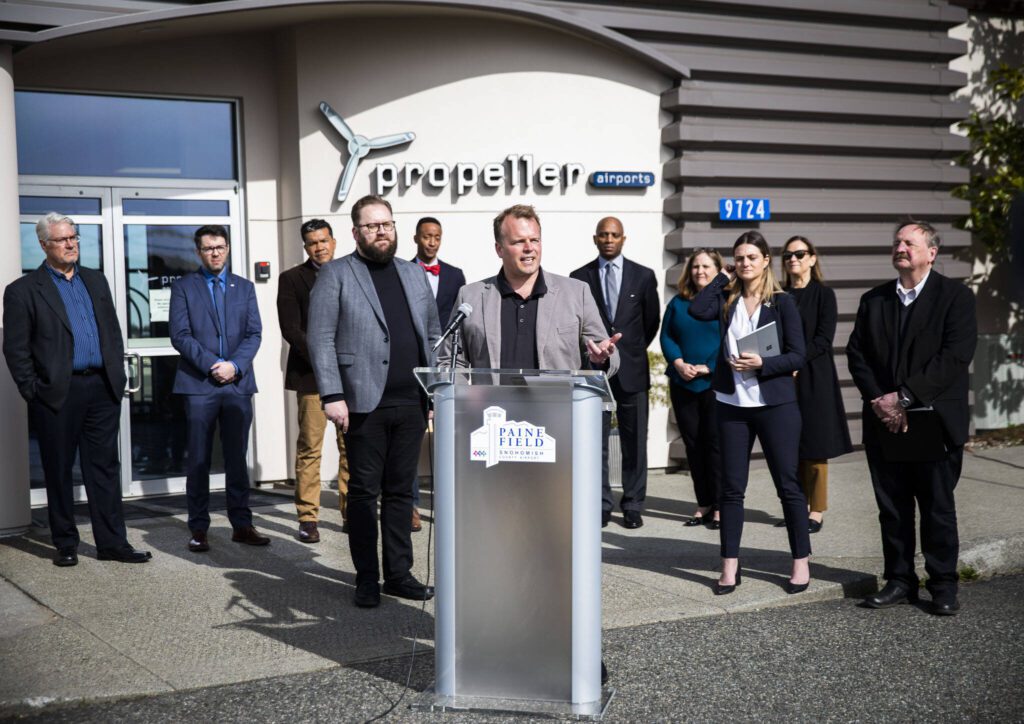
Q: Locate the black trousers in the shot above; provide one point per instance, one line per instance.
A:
(233, 413)
(383, 449)
(87, 424)
(631, 413)
(697, 419)
(898, 486)
(778, 429)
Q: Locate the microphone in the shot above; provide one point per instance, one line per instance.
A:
(464, 310)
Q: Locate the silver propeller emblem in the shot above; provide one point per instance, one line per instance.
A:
(358, 147)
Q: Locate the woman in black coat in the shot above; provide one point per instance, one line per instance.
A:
(824, 434)
(756, 396)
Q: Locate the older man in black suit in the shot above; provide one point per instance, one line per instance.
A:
(293, 289)
(63, 345)
(627, 295)
(910, 350)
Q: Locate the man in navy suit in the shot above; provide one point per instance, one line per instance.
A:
(215, 326)
(627, 295)
(445, 282)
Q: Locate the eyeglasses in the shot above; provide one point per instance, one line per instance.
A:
(787, 255)
(73, 239)
(211, 250)
(374, 228)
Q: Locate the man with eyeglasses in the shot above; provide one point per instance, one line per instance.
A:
(372, 319)
(215, 326)
(293, 290)
(63, 345)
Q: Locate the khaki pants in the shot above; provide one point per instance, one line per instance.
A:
(312, 422)
(814, 481)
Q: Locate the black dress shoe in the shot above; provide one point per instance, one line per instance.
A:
(606, 516)
(124, 555)
(409, 588)
(721, 590)
(367, 594)
(814, 526)
(198, 543)
(946, 607)
(792, 588)
(694, 521)
(713, 524)
(892, 594)
(632, 519)
(66, 557)
(249, 536)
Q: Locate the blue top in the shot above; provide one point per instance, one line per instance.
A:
(82, 316)
(692, 339)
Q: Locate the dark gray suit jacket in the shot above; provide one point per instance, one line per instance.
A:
(348, 336)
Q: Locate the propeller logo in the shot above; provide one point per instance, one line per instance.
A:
(358, 147)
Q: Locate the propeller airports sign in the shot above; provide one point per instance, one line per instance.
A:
(515, 171)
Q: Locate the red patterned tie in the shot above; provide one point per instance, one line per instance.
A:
(434, 269)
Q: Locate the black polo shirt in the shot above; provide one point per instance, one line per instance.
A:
(519, 324)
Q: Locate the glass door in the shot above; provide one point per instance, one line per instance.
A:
(90, 209)
(154, 229)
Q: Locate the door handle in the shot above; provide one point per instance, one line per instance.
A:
(133, 361)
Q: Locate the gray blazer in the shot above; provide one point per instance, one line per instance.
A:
(347, 334)
(566, 316)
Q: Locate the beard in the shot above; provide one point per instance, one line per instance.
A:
(381, 256)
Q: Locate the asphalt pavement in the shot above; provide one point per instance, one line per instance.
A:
(271, 634)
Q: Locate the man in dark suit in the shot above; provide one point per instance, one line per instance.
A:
(909, 353)
(63, 345)
(371, 321)
(215, 326)
(445, 282)
(627, 296)
(293, 290)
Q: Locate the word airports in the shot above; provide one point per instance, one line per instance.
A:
(515, 172)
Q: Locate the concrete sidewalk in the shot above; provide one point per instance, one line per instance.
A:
(186, 621)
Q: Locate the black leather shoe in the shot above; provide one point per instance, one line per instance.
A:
(66, 557)
(632, 519)
(367, 594)
(606, 516)
(946, 607)
(792, 588)
(694, 521)
(721, 590)
(198, 543)
(814, 526)
(891, 595)
(409, 588)
(713, 524)
(124, 555)
(249, 536)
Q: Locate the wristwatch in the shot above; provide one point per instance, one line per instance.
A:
(904, 399)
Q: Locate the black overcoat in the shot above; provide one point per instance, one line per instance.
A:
(825, 433)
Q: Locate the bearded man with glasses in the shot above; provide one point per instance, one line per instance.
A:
(372, 319)
(63, 345)
(215, 326)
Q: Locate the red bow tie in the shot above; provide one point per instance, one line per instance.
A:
(434, 269)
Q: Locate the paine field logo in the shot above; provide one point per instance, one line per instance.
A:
(501, 441)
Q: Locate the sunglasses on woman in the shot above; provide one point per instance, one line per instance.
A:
(787, 255)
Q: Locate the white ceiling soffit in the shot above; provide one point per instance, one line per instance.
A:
(167, 13)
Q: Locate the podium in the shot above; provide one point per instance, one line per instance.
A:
(517, 501)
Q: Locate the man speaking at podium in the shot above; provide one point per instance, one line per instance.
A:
(525, 318)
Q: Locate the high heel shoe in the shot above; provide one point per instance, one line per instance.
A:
(721, 590)
(792, 588)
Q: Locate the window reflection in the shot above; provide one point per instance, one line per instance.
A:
(90, 247)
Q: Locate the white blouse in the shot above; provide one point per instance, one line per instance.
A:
(748, 391)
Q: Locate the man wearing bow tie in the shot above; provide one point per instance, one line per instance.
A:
(445, 282)
(627, 296)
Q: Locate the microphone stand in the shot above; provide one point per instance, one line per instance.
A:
(457, 346)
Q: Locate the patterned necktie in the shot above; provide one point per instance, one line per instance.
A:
(611, 290)
(218, 304)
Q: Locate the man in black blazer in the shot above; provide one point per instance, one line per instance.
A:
(293, 288)
(627, 295)
(63, 345)
(909, 354)
(445, 282)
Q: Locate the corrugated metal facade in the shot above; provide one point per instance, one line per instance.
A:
(839, 112)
